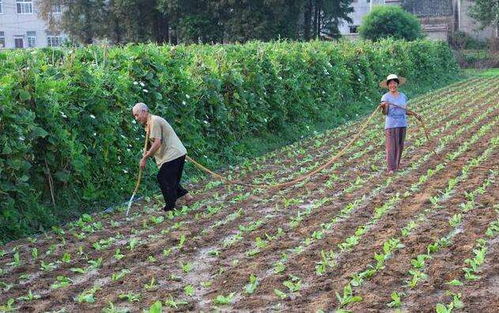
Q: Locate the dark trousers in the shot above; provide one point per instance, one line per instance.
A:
(169, 177)
(394, 146)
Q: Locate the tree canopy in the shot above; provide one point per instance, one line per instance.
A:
(200, 21)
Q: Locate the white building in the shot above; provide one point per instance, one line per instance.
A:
(438, 18)
(21, 27)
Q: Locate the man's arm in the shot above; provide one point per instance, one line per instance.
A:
(155, 146)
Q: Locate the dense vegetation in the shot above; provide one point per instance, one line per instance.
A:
(68, 141)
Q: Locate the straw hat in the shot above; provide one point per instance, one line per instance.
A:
(384, 83)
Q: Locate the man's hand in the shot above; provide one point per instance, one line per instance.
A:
(143, 162)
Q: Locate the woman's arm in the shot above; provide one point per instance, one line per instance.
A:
(384, 107)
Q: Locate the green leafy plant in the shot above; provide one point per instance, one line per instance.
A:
(347, 296)
(171, 302)
(396, 300)
(186, 267)
(29, 297)
(189, 290)
(120, 275)
(152, 285)
(251, 286)
(130, 297)
(156, 307)
(224, 300)
(280, 294)
(62, 281)
(118, 255)
(87, 295)
(47, 267)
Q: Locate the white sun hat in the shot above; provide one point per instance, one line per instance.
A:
(384, 83)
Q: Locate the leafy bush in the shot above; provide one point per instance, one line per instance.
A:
(461, 40)
(480, 59)
(66, 127)
(390, 21)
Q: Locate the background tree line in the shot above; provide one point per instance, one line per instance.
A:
(199, 21)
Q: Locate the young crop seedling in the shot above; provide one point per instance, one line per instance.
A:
(167, 252)
(78, 270)
(95, 264)
(172, 303)
(181, 241)
(66, 258)
(251, 286)
(152, 285)
(186, 267)
(47, 267)
(5, 286)
(279, 267)
(117, 255)
(16, 260)
(133, 243)
(280, 294)
(327, 261)
(87, 295)
(293, 284)
(9, 306)
(29, 297)
(62, 281)
(156, 307)
(112, 309)
(417, 276)
(130, 297)
(224, 300)
(120, 275)
(189, 290)
(396, 300)
(347, 296)
(34, 253)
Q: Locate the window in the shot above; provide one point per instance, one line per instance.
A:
(19, 42)
(31, 39)
(1, 7)
(24, 6)
(53, 40)
(353, 29)
(2, 40)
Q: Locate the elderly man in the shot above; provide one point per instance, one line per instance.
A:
(168, 151)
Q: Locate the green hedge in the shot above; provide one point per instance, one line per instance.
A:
(65, 114)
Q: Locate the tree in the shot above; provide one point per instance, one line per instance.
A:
(193, 21)
(390, 21)
(323, 17)
(335, 12)
(120, 21)
(82, 19)
(487, 13)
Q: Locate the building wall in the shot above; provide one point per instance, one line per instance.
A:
(18, 26)
(361, 9)
(469, 25)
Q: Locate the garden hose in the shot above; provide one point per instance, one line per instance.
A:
(296, 180)
(320, 168)
(139, 178)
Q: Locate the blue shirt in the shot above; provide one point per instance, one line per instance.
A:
(396, 117)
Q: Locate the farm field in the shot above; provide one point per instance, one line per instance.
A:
(351, 238)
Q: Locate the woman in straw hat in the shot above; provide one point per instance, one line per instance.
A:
(393, 103)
